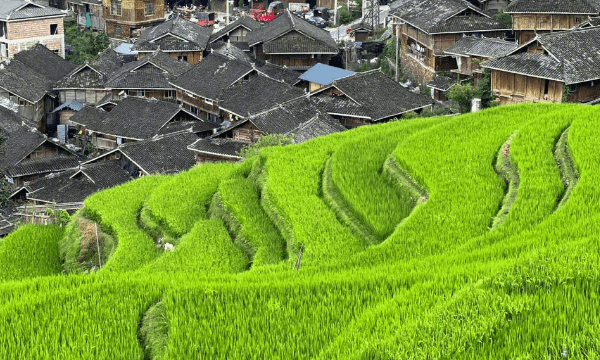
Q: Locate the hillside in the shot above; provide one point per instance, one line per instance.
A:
(471, 237)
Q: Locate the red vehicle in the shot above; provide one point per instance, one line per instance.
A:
(275, 8)
(206, 18)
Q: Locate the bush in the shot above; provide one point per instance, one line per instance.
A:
(461, 95)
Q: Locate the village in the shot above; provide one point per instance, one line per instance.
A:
(179, 85)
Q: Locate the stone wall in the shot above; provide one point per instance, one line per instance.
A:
(415, 69)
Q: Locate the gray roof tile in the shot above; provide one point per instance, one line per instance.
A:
(218, 146)
(573, 58)
(481, 47)
(553, 7)
(196, 37)
(212, 75)
(380, 96)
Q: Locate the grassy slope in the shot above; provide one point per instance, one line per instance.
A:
(441, 286)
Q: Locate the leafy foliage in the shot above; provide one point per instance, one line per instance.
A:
(87, 44)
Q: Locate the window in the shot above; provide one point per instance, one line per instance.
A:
(573, 88)
(53, 29)
(194, 110)
(115, 7)
(148, 8)
(182, 58)
(117, 30)
(169, 94)
(546, 87)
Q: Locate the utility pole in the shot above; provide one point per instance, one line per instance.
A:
(396, 27)
(227, 16)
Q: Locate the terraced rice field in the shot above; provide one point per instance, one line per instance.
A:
(471, 237)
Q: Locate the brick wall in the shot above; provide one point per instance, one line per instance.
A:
(33, 28)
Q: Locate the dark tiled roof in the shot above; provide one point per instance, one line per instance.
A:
(279, 73)
(244, 21)
(20, 141)
(74, 186)
(196, 37)
(162, 155)
(537, 65)
(33, 72)
(44, 62)
(316, 39)
(576, 52)
(553, 7)
(231, 51)
(361, 26)
(468, 24)
(482, 47)
(152, 72)
(94, 74)
(318, 126)
(339, 105)
(298, 45)
(218, 146)
(17, 10)
(134, 118)
(212, 75)
(442, 83)
(432, 16)
(42, 165)
(298, 116)
(259, 94)
(196, 127)
(379, 95)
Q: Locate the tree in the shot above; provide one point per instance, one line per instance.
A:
(241, 4)
(345, 16)
(267, 140)
(505, 18)
(484, 90)
(86, 43)
(461, 96)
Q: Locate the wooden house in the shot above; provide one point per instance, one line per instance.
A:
(427, 28)
(200, 89)
(367, 98)
(183, 40)
(169, 155)
(27, 154)
(361, 31)
(89, 13)
(299, 117)
(541, 69)
(471, 51)
(68, 189)
(86, 84)
(149, 77)
(246, 98)
(440, 86)
(27, 82)
(217, 150)
(237, 32)
(123, 17)
(293, 42)
(133, 119)
(320, 75)
(544, 16)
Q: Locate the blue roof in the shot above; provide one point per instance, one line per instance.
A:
(71, 104)
(125, 48)
(324, 74)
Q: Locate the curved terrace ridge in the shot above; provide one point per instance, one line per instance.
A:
(568, 172)
(508, 171)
